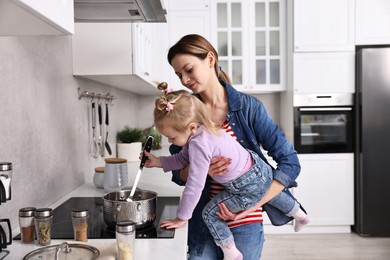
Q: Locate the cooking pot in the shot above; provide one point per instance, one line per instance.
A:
(142, 210)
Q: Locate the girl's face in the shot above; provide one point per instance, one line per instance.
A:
(193, 72)
(175, 137)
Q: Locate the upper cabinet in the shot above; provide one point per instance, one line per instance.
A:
(250, 37)
(116, 54)
(323, 46)
(36, 17)
(324, 72)
(372, 22)
(324, 25)
(185, 17)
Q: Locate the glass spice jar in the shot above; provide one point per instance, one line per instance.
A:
(26, 223)
(5, 179)
(43, 219)
(125, 236)
(80, 224)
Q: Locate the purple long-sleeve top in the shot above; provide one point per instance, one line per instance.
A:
(201, 147)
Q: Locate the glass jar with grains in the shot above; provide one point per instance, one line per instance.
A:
(43, 219)
(125, 236)
(80, 224)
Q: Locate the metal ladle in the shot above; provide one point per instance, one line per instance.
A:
(147, 147)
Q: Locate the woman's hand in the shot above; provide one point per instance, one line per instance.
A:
(226, 214)
(152, 160)
(219, 165)
(173, 223)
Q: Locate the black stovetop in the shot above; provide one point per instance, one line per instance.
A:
(97, 228)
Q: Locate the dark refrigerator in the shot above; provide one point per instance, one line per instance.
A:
(372, 202)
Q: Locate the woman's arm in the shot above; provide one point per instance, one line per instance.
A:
(274, 189)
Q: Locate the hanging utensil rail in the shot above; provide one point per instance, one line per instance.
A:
(98, 96)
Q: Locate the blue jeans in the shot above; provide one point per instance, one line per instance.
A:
(241, 194)
(249, 240)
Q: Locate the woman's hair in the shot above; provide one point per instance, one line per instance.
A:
(180, 108)
(199, 47)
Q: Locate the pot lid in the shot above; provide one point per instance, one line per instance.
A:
(64, 251)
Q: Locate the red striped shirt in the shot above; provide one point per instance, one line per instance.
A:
(253, 217)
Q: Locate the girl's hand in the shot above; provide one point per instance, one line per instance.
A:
(219, 165)
(173, 223)
(152, 160)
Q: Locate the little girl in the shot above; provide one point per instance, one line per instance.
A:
(184, 120)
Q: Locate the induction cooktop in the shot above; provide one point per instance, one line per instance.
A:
(97, 228)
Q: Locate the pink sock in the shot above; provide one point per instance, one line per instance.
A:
(300, 223)
(231, 253)
(301, 219)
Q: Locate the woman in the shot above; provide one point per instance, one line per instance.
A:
(195, 62)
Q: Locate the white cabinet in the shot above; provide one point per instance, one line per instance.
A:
(323, 46)
(324, 25)
(321, 72)
(326, 188)
(372, 22)
(182, 5)
(186, 17)
(116, 54)
(326, 191)
(36, 17)
(250, 37)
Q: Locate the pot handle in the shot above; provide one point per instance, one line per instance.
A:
(139, 207)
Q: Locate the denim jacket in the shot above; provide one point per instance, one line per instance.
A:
(253, 128)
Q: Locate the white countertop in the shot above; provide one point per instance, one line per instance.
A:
(145, 249)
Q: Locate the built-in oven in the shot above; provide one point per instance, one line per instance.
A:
(323, 123)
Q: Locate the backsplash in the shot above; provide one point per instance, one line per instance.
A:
(45, 128)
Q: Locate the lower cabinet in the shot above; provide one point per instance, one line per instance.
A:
(326, 191)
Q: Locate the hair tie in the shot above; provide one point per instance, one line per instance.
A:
(168, 90)
(169, 107)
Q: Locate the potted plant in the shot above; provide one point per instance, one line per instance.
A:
(129, 143)
(157, 138)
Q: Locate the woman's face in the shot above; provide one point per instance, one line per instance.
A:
(193, 72)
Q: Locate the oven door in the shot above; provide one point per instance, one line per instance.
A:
(323, 129)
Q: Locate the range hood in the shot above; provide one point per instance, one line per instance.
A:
(108, 11)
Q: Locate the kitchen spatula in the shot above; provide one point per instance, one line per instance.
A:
(147, 147)
(106, 144)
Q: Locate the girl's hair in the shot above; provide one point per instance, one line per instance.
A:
(180, 108)
(197, 46)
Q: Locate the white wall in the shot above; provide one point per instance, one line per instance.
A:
(45, 129)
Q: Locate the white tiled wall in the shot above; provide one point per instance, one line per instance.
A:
(44, 127)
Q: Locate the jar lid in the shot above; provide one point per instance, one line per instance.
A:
(115, 160)
(79, 213)
(43, 213)
(99, 169)
(126, 226)
(5, 166)
(26, 212)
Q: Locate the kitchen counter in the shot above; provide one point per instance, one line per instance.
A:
(161, 248)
